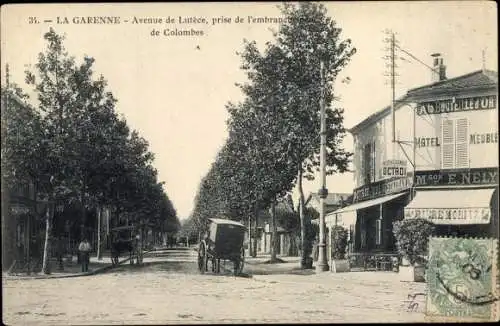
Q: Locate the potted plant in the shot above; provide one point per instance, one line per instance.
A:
(339, 263)
(412, 237)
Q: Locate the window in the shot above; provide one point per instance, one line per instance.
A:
(369, 162)
(454, 148)
(378, 232)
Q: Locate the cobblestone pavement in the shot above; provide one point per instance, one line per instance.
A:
(174, 293)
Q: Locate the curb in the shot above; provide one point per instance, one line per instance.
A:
(94, 272)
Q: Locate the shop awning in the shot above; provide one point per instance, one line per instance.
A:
(347, 215)
(465, 206)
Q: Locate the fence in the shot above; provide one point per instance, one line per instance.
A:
(374, 261)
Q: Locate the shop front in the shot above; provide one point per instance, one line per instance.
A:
(369, 221)
(467, 208)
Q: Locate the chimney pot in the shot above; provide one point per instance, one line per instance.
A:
(439, 69)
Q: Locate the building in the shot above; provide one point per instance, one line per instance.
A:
(333, 201)
(443, 164)
(457, 155)
(20, 225)
(286, 229)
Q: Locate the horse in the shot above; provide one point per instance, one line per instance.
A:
(120, 246)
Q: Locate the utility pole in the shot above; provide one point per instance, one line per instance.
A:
(322, 264)
(392, 44)
(393, 87)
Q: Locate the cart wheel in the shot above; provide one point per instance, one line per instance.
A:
(239, 263)
(202, 259)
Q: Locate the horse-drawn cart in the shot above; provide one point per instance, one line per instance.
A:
(224, 240)
(123, 239)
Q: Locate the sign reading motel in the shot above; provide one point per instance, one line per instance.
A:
(457, 104)
(467, 177)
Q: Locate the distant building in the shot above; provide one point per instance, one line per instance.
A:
(333, 201)
(19, 211)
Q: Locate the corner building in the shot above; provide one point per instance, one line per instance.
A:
(443, 165)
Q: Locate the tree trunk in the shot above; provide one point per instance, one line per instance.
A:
(274, 232)
(141, 246)
(99, 214)
(255, 233)
(82, 212)
(250, 243)
(48, 229)
(303, 240)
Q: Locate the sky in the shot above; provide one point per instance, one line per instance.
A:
(173, 89)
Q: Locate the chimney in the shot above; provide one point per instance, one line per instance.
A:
(439, 69)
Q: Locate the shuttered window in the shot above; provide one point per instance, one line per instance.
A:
(369, 162)
(461, 144)
(454, 147)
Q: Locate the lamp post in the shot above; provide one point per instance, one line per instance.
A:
(322, 264)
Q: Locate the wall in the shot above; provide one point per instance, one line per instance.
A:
(482, 138)
(380, 132)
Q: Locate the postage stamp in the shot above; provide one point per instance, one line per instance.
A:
(462, 279)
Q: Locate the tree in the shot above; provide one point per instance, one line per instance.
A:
(88, 154)
(287, 77)
(57, 178)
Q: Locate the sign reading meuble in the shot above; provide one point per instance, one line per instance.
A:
(457, 104)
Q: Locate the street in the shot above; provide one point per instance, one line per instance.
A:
(169, 289)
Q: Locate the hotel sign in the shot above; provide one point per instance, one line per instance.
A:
(464, 177)
(451, 215)
(381, 188)
(457, 104)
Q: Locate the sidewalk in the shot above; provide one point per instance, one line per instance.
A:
(71, 269)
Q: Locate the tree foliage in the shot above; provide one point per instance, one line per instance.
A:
(76, 147)
(274, 132)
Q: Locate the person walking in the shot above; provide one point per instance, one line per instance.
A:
(84, 249)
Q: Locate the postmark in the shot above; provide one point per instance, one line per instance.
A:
(462, 279)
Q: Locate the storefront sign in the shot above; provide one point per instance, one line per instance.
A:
(487, 138)
(482, 176)
(451, 215)
(427, 142)
(457, 104)
(381, 188)
(394, 168)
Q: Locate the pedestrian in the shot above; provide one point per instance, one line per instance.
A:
(84, 249)
(315, 248)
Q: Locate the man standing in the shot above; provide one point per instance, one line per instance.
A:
(84, 249)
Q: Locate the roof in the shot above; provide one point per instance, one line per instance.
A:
(477, 80)
(224, 221)
(480, 79)
(332, 198)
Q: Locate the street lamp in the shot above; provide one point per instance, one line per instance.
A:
(322, 264)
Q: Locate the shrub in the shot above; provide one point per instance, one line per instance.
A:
(339, 242)
(412, 237)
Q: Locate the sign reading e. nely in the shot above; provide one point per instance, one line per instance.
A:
(457, 104)
(463, 177)
(473, 215)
